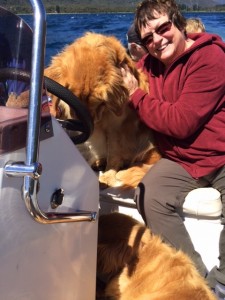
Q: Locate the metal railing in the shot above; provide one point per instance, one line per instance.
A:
(31, 169)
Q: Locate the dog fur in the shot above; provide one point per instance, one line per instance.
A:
(91, 68)
(137, 265)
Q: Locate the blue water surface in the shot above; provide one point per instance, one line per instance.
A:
(62, 29)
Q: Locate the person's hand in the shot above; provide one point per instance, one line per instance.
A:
(129, 80)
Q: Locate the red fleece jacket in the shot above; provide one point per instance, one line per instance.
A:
(186, 105)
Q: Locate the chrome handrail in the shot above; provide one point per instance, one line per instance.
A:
(31, 169)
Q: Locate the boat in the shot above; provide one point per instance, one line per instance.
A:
(49, 195)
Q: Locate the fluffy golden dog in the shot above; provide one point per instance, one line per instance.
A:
(137, 265)
(91, 68)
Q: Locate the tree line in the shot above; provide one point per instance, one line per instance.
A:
(92, 6)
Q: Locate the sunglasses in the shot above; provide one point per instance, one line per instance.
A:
(163, 28)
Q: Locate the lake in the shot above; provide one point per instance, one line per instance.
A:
(62, 29)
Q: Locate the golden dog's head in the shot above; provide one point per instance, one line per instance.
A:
(90, 68)
(120, 240)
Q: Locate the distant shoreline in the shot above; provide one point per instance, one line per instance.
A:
(106, 6)
(119, 12)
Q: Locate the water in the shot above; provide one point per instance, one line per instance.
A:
(62, 29)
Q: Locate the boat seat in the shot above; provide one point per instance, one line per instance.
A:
(203, 203)
(202, 218)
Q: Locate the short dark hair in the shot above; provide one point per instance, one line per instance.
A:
(133, 36)
(146, 11)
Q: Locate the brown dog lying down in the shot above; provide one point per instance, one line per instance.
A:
(91, 68)
(137, 265)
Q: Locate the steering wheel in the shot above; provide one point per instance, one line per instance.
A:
(83, 126)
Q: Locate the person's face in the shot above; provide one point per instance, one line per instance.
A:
(136, 51)
(163, 39)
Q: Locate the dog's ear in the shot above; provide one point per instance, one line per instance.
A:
(116, 99)
(112, 258)
(113, 96)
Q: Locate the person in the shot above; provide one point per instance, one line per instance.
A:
(135, 48)
(185, 108)
(194, 25)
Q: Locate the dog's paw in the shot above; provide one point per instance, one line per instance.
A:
(131, 177)
(18, 101)
(108, 179)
